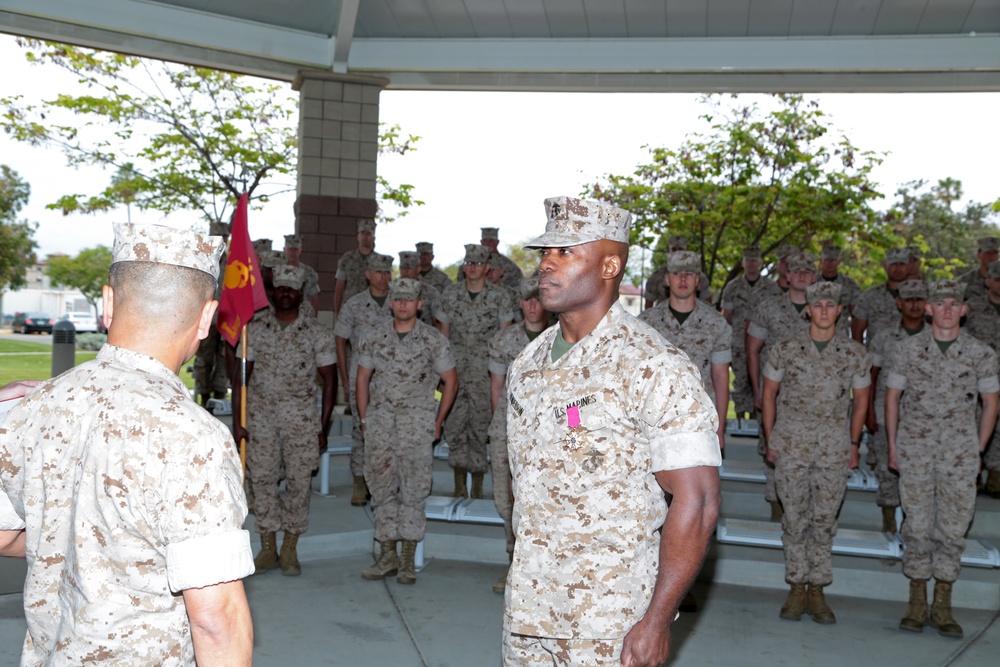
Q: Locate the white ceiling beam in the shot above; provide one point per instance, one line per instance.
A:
(818, 54)
(347, 19)
(168, 24)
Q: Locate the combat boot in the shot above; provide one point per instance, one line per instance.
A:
(817, 607)
(407, 569)
(289, 558)
(386, 565)
(776, 511)
(889, 520)
(477, 485)
(359, 495)
(795, 605)
(993, 483)
(941, 617)
(460, 489)
(267, 557)
(916, 613)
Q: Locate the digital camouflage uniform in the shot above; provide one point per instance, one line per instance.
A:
(282, 417)
(740, 297)
(888, 481)
(432, 303)
(877, 306)
(705, 337)
(351, 269)
(359, 318)
(400, 424)
(812, 442)
(975, 285)
(436, 278)
(983, 322)
(504, 347)
(587, 507)
(135, 496)
(937, 446)
(775, 320)
(473, 322)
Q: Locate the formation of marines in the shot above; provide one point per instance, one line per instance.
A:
(568, 418)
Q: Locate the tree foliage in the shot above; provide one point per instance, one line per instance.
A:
(178, 138)
(17, 243)
(752, 178)
(87, 272)
(925, 216)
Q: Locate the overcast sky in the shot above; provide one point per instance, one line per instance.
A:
(489, 159)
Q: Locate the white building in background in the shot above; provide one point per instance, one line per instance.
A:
(40, 295)
(630, 298)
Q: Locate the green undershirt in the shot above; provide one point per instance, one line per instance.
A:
(473, 295)
(402, 334)
(380, 300)
(560, 347)
(799, 307)
(820, 345)
(532, 335)
(914, 332)
(943, 345)
(680, 316)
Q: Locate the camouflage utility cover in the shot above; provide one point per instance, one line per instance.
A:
(587, 505)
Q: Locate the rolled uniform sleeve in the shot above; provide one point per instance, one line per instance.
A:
(895, 378)
(722, 349)
(863, 375)
(202, 510)
(444, 360)
(678, 417)
(496, 365)
(9, 518)
(505, 311)
(757, 328)
(325, 351)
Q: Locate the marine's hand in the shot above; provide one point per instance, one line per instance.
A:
(871, 423)
(770, 455)
(647, 644)
(240, 433)
(854, 459)
(17, 389)
(322, 442)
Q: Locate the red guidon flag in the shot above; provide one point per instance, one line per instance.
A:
(242, 288)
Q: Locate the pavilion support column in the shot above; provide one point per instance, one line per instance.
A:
(338, 150)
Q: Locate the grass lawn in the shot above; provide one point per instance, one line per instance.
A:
(25, 360)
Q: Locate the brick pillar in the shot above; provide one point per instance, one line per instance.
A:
(338, 149)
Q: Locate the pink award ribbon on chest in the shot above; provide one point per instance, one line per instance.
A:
(573, 416)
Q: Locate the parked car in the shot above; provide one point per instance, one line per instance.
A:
(26, 323)
(82, 321)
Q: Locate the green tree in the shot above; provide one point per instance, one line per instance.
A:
(525, 258)
(17, 243)
(87, 272)
(178, 138)
(926, 217)
(751, 178)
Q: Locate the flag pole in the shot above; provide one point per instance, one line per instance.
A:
(243, 398)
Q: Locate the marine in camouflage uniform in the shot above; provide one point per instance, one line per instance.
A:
(361, 315)
(983, 322)
(93, 467)
(876, 307)
(829, 271)
(211, 378)
(351, 268)
(975, 280)
(496, 276)
(284, 432)
(430, 297)
(512, 275)
(504, 347)
(809, 380)
(292, 253)
(399, 364)
(593, 434)
(697, 329)
(739, 300)
(471, 318)
(912, 302)
(429, 274)
(936, 443)
(777, 319)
